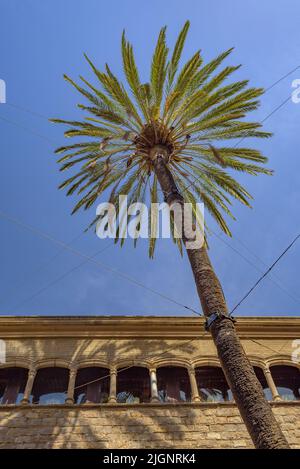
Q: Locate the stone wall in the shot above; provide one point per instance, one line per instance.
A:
(196, 425)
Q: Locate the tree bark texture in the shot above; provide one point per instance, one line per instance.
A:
(256, 412)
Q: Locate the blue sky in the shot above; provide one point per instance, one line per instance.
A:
(42, 40)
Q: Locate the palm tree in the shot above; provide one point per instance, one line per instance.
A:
(163, 132)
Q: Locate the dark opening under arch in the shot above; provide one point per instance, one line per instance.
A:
(173, 384)
(50, 386)
(287, 381)
(12, 384)
(212, 384)
(133, 385)
(92, 385)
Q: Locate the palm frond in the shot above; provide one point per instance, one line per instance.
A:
(182, 85)
(189, 110)
(206, 71)
(173, 64)
(159, 71)
(131, 73)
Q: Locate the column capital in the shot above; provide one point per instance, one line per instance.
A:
(32, 373)
(191, 370)
(152, 369)
(73, 371)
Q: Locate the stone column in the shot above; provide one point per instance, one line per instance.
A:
(153, 385)
(194, 387)
(113, 386)
(271, 384)
(30, 380)
(71, 386)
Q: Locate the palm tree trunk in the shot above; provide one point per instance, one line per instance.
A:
(256, 412)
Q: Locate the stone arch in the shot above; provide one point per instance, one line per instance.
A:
(256, 361)
(122, 363)
(179, 362)
(89, 362)
(207, 361)
(281, 360)
(20, 362)
(52, 363)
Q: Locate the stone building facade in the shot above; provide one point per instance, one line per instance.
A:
(137, 382)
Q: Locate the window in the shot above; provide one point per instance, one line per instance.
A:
(262, 379)
(133, 385)
(287, 381)
(212, 384)
(12, 384)
(88, 386)
(50, 386)
(173, 384)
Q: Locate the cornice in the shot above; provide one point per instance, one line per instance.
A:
(139, 327)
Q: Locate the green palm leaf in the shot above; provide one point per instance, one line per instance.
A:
(186, 111)
(173, 64)
(159, 70)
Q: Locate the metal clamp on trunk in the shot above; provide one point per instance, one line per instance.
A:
(214, 316)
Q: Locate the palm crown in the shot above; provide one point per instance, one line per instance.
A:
(184, 110)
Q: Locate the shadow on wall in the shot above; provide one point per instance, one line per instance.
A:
(90, 425)
(132, 425)
(121, 426)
